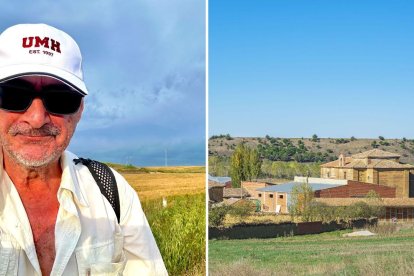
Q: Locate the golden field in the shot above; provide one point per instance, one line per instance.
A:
(154, 184)
(179, 228)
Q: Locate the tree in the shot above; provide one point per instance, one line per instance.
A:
(245, 164)
(218, 165)
(375, 203)
(300, 201)
(237, 165)
(381, 137)
(315, 138)
(254, 164)
(217, 215)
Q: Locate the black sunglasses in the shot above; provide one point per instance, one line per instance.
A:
(16, 95)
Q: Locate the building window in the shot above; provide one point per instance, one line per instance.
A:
(259, 195)
(281, 196)
(271, 195)
(344, 175)
(329, 175)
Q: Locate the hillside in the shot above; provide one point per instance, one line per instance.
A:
(320, 149)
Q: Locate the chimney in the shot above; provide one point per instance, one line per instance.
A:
(341, 160)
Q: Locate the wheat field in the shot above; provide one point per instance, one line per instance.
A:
(178, 228)
(155, 185)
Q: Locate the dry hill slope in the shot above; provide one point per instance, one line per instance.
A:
(224, 145)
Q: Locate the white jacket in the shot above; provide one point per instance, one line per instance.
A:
(88, 238)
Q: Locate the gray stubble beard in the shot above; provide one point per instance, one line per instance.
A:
(20, 159)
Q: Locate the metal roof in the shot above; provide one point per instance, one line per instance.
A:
(287, 187)
(219, 179)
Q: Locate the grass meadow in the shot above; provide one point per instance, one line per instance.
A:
(179, 228)
(391, 252)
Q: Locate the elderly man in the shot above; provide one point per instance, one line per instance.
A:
(54, 219)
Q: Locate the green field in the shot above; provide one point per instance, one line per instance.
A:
(389, 253)
(179, 230)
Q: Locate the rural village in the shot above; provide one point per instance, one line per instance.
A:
(342, 182)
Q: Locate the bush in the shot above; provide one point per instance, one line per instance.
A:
(315, 138)
(359, 210)
(243, 209)
(216, 215)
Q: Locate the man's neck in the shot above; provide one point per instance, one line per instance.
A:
(41, 178)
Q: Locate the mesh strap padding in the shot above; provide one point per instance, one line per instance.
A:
(105, 179)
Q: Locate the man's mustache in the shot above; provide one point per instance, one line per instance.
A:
(45, 130)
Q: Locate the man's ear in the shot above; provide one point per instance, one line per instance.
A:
(78, 114)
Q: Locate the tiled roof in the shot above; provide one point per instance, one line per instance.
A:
(388, 164)
(377, 159)
(231, 201)
(335, 163)
(234, 192)
(212, 184)
(372, 164)
(375, 154)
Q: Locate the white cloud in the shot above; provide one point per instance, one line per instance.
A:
(143, 63)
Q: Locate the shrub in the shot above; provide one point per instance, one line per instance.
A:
(216, 215)
(242, 209)
(359, 210)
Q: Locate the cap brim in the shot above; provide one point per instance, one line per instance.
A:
(20, 70)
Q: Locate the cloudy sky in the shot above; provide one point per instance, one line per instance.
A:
(144, 66)
(297, 68)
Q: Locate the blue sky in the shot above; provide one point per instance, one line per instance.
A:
(144, 66)
(297, 68)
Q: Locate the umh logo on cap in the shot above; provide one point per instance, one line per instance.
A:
(37, 42)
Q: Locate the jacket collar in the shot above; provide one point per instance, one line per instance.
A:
(71, 176)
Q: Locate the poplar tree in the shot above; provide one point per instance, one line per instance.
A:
(245, 164)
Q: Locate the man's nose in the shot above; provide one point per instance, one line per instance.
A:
(36, 115)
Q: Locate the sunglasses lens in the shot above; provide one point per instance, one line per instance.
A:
(14, 98)
(62, 102)
(17, 95)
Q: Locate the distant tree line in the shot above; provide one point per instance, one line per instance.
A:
(285, 150)
(220, 166)
(226, 136)
(288, 170)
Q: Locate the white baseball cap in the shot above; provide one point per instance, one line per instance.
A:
(39, 49)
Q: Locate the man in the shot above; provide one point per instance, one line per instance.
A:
(53, 216)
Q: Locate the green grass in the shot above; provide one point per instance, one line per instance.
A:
(179, 231)
(323, 254)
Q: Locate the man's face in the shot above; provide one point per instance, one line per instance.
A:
(36, 138)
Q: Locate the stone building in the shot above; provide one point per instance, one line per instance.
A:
(376, 167)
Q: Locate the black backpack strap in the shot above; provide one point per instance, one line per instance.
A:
(105, 180)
